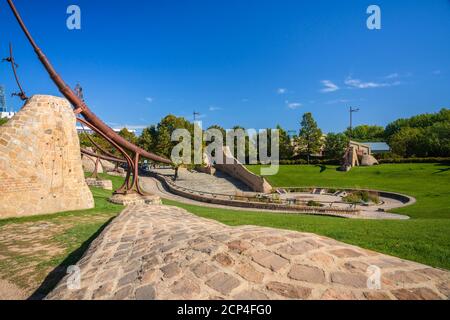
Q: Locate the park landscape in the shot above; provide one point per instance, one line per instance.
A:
(89, 212)
(423, 238)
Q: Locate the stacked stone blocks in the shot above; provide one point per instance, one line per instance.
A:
(40, 161)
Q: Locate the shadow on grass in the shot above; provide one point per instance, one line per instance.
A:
(442, 170)
(57, 274)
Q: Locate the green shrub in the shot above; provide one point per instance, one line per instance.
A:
(313, 203)
(362, 196)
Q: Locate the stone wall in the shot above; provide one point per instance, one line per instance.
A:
(237, 170)
(104, 166)
(89, 164)
(40, 162)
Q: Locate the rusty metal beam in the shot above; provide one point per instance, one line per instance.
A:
(79, 105)
(102, 157)
(21, 94)
(131, 183)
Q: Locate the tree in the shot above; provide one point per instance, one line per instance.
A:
(148, 138)
(419, 121)
(163, 145)
(407, 142)
(424, 135)
(237, 130)
(3, 121)
(162, 135)
(310, 137)
(438, 137)
(286, 147)
(366, 133)
(221, 129)
(335, 145)
(85, 142)
(128, 135)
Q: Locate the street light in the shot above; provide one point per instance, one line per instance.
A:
(352, 111)
(195, 115)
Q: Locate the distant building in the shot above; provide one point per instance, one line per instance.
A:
(2, 99)
(7, 115)
(378, 147)
(3, 109)
(89, 131)
(362, 149)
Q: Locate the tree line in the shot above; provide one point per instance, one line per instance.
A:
(426, 135)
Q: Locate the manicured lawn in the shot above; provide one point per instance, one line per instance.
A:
(425, 238)
(36, 251)
(428, 183)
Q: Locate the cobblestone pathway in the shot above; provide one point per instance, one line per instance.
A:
(219, 183)
(161, 252)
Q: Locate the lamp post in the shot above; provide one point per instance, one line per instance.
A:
(195, 115)
(352, 111)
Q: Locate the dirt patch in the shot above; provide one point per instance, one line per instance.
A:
(8, 291)
(31, 250)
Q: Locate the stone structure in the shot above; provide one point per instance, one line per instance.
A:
(237, 170)
(40, 162)
(161, 252)
(135, 198)
(99, 183)
(358, 154)
(89, 164)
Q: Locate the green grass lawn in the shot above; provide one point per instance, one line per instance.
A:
(27, 261)
(425, 238)
(428, 183)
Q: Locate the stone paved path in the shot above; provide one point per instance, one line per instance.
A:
(220, 183)
(161, 252)
(153, 186)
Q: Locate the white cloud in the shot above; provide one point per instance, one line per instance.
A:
(282, 91)
(213, 108)
(329, 86)
(358, 84)
(293, 105)
(392, 76)
(149, 99)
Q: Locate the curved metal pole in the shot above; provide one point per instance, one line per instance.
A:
(94, 173)
(97, 145)
(14, 66)
(102, 157)
(80, 106)
(124, 188)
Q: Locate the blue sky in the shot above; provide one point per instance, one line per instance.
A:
(239, 62)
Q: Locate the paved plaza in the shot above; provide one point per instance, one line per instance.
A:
(162, 252)
(219, 183)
